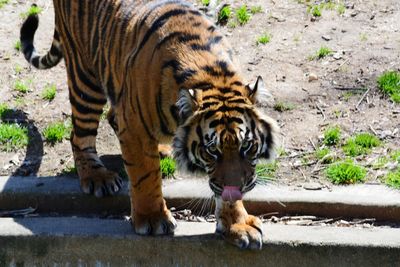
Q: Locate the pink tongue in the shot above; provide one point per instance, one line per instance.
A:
(231, 193)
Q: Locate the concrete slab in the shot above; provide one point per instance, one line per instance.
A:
(98, 242)
(63, 195)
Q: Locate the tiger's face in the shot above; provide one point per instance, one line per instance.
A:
(224, 135)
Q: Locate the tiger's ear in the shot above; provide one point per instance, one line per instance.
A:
(187, 103)
(257, 92)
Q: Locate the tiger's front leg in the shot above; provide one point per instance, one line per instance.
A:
(149, 212)
(237, 226)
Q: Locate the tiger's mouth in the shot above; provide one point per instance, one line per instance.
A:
(232, 193)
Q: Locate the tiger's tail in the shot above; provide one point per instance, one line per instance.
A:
(27, 34)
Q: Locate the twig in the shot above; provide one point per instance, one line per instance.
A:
(362, 98)
(372, 129)
(296, 155)
(341, 65)
(312, 143)
(321, 110)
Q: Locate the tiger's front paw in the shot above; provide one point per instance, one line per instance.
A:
(245, 235)
(154, 224)
(100, 182)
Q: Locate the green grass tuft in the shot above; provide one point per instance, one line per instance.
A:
(205, 2)
(167, 166)
(322, 53)
(345, 172)
(332, 136)
(21, 86)
(256, 9)
(264, 39)
(4, 110)
(360, 144)
(392, 179)
(314, 10)
(49, 92)
(56, 132)
(33, 10)
(224, 14)
(389, 83)
(17, 45)
(3, 3)
(13, 136)
(283, 106)
(266, 171)
(325, 155)
(367, 140)
(243, 15)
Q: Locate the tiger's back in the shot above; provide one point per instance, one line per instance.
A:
(168, 74)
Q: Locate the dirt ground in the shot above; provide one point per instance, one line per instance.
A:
(337, 90)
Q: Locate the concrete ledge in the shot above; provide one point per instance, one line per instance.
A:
(63, 195)
(98, 242)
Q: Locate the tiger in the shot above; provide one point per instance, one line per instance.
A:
(170, 76)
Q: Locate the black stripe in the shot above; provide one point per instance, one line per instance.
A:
(81, 94)
(83, 109)
(180, 75)
(143, 120)
(83, 132)
(207, 47)
(161, 116)
(86, 120)
(157, 25)
(144, 177)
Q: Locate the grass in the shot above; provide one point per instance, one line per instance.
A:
(168, 167)
(332, 136)
(392, 179)
(18, 69)
(4, 110)
(243, 15)
(325, 155)
(321, 53)
(49, 92)
(13, 136)
(363, 37)
(17, 45)
(256, 9)
(389, 84)
(266, 171)
(341, 8)
(3, 3)
(205, 2)
(69, 170)
(360, 144)
(56, 132)
(33, 10)
(224, 14)
(283, 106)
(314, 10)
(264, 39)
(345, 172)
(21, 86)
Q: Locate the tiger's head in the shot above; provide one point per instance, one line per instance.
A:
(223, 133)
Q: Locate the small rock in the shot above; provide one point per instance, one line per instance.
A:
(326, 37)
(337, 56)
(312, 77)
(312, 186)
(354, 13)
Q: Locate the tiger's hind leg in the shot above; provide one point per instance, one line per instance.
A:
(87, 100)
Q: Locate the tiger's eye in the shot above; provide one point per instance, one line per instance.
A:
(246, 144)
(212, 148)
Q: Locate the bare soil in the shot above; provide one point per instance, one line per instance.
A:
(365, 40)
